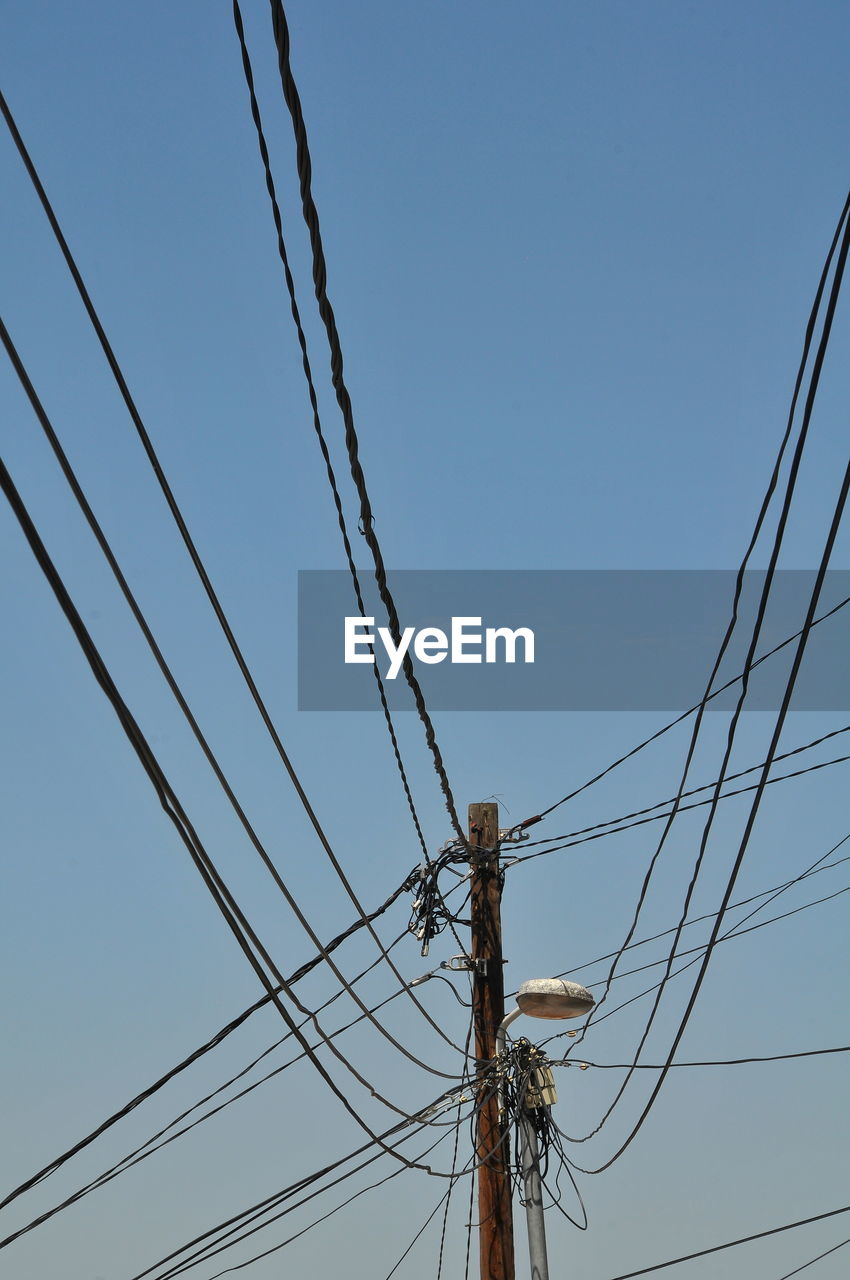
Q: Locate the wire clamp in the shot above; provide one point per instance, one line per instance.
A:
(458, 964)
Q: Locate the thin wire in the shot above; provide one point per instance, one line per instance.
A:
(152, 1145)
(191, 1058)
(197, 562)
(250, 1216)
(726, 937)
(320, 276)
(736, 932)
(812, 1261)
(659, 733)
(716, 1062)
(682, 808)
(732, 777)
(270, 1202)
(444, 1199)
(776, 890)
(731, 1244)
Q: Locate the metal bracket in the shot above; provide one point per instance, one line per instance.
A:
(512, 835)
(458, 964)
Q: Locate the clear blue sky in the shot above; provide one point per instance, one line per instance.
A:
(572, 249)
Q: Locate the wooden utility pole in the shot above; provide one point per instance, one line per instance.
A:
(496, 1234)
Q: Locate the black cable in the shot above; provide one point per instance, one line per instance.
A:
(250, 1214)
(314, 404)
(725, 937)
(659, 733)
(469, 1228)
(152, 1145)
(736, 932)
(199, 566)
(731, 777)
(222, 1245)
(798, 656)
(731, 1244)
(191, 1058)
(249, 1219)
(320, 275)
(774, 479)
(814, 382)
(444, 1199)
(239, 926)
(812, 1261)
(171, 681)
(682, 808)
(717, 1062)
(776, 890)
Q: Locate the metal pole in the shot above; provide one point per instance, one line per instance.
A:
(533, 1187)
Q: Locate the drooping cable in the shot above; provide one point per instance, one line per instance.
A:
(214, 1041)
(320, 275)
(843, 231)
(158, 1141)
(314, 404)
(227, 1234)
(247, 939)
(103, 543)
(200, 568)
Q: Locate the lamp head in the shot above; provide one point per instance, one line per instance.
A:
(554, 998)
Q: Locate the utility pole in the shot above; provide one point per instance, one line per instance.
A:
(496, 1235)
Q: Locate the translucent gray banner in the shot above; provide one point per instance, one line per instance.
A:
(568, 640)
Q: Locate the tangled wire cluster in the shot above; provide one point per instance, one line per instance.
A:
(429, 913)
(527, 1091)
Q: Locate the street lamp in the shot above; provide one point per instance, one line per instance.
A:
(539, 998)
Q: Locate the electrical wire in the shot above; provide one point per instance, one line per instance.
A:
(781, 716)
(314, 404)
(812, 1261)
(716, 1062)
(735, 930)
(320, 276)
(731, 1244)
(732, 777)
(188, 542)
(191, 1058)
(153, 1144)
(223, 1245)
(726, 937)
(168, 675)
(247, 939)
(776, 890)
(682, 808)
(659, 733)
(249, 1218)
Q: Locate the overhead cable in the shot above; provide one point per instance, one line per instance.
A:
(314, 405)
(320, 276)
(814, 381)
(731, 1244)
(254, 951)
(194, 554)
(177, 692)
